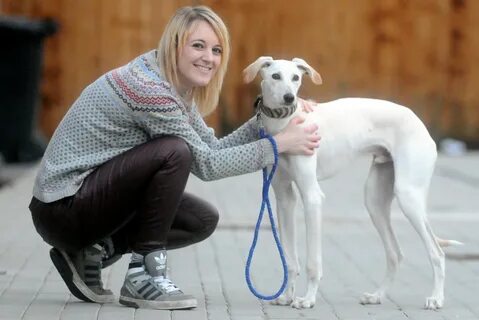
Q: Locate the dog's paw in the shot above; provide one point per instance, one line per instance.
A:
(370, 298)
(303, 303)
(282, 300)
(434, 303)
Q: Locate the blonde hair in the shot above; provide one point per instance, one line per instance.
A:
(174, 39)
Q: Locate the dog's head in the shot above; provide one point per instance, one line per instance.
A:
(281, 79)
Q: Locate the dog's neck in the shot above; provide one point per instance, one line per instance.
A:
(273, 119)
(275, 113)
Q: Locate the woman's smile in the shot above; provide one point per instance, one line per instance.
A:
(203, 68)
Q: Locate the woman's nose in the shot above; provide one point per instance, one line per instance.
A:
(207, 56)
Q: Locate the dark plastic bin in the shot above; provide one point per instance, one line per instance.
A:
(21, 57)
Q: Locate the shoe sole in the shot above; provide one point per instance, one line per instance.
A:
(161, 305)
(75, 284)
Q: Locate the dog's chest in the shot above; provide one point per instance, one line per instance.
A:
(274, 126)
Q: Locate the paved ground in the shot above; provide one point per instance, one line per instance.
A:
(30, 288)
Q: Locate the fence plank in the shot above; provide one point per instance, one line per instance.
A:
(419, 53)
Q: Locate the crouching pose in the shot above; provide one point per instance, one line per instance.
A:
(113, 176)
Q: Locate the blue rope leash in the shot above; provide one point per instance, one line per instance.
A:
(266, 184)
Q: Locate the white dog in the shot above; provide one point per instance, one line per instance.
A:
(403, 159)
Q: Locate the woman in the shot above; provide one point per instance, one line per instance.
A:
(113, 176)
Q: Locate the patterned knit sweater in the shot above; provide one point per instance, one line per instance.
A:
(129, 106)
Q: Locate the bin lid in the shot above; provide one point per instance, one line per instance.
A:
(44, 27)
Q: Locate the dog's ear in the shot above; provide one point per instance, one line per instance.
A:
(303, 65)
(250, 72)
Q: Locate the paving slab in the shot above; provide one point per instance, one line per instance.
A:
(213, 270)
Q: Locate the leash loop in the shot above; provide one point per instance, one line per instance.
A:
(267, 178)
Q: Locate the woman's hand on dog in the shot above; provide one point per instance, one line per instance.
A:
(306, 105)
(297, 138)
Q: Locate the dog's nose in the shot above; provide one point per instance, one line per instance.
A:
(288, 98)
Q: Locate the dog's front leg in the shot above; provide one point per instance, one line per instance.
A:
(312, 196)
(285, 206)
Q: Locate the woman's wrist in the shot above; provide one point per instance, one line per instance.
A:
(280, 142)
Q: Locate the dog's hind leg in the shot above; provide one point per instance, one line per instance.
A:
(411, 187)
(378, 198)
(285, 206)
(413, 205)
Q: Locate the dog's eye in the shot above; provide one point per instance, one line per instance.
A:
(276, 76)
(295, 77)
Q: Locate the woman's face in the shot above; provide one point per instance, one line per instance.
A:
(200, 58)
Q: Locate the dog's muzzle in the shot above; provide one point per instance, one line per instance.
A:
(277, 113)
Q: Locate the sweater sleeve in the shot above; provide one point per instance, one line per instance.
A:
(208, 163)
(246, 133)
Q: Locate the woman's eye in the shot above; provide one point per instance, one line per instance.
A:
(217, 51)
(276, 76)
(198, 45)
(295, 77)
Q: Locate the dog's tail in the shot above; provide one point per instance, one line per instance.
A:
(448, 243)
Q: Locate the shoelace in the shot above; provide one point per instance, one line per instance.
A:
(107, 249)
(166, 284)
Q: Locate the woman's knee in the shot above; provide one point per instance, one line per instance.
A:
(210, 221)
(172, 149)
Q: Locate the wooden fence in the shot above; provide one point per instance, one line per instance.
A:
(423, 54)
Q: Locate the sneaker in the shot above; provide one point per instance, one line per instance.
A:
(81, 273)
(109, 255)
(147, 286)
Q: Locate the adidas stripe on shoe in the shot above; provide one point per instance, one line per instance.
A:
(82, 274)
(142, 290)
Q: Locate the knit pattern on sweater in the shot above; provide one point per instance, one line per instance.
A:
(127, 107)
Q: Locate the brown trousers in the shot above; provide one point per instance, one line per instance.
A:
(136, 198)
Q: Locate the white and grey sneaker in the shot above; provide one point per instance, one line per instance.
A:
(147, 285)
(81, 272)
